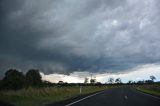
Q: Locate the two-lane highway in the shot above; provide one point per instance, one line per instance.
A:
(123, 96)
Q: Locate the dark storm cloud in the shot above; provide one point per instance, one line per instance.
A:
(67, 35)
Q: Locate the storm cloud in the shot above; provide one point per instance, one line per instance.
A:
(66, 36)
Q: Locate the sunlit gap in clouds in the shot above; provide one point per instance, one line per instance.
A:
(136, 74)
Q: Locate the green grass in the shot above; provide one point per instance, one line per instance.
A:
(153, 89)
(42, 96)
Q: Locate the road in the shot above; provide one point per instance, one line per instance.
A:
(124, 96)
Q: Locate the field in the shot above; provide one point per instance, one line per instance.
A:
(42, 96)
(153, 89)
(45, 95)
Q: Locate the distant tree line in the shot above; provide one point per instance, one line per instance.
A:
(118, 81)
(149, 81)
(15, 80)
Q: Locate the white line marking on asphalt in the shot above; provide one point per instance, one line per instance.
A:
(84, 98)
(149, 95)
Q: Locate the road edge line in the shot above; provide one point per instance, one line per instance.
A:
(83, 98)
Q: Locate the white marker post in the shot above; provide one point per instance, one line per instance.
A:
(80, 89)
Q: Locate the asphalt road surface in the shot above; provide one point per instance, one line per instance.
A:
(124, 96)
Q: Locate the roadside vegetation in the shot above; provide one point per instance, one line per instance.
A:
(45, 95)
(153, 89)
(149, 86)
(29, 90)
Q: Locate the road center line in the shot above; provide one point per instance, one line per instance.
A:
(84, 98)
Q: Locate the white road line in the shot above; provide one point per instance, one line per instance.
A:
(84, 98)
(148, 94)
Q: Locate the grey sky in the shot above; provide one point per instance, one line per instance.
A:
(79, 35)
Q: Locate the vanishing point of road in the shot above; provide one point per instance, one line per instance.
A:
(123, 96)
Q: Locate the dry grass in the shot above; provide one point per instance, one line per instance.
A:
(42, 96)
(153, 89)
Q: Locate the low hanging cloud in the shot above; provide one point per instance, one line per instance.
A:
(65, 36)
(139, 73)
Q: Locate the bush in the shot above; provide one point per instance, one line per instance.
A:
(33, 78)
(13, 79)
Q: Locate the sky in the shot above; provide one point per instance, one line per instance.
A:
(141, 73)
(76, 38)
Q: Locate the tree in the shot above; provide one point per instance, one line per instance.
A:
(92, 81)
(130, 82)
(148, 81)
(86, 80)
(13, 79)
(60, 82)
(141, 82)
(118, 81)
(98, 83)
(111, 80)
(33, 78)
(1, 86)
(152, 78)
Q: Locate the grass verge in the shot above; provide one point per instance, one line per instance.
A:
(42, 96)
(149, 89)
